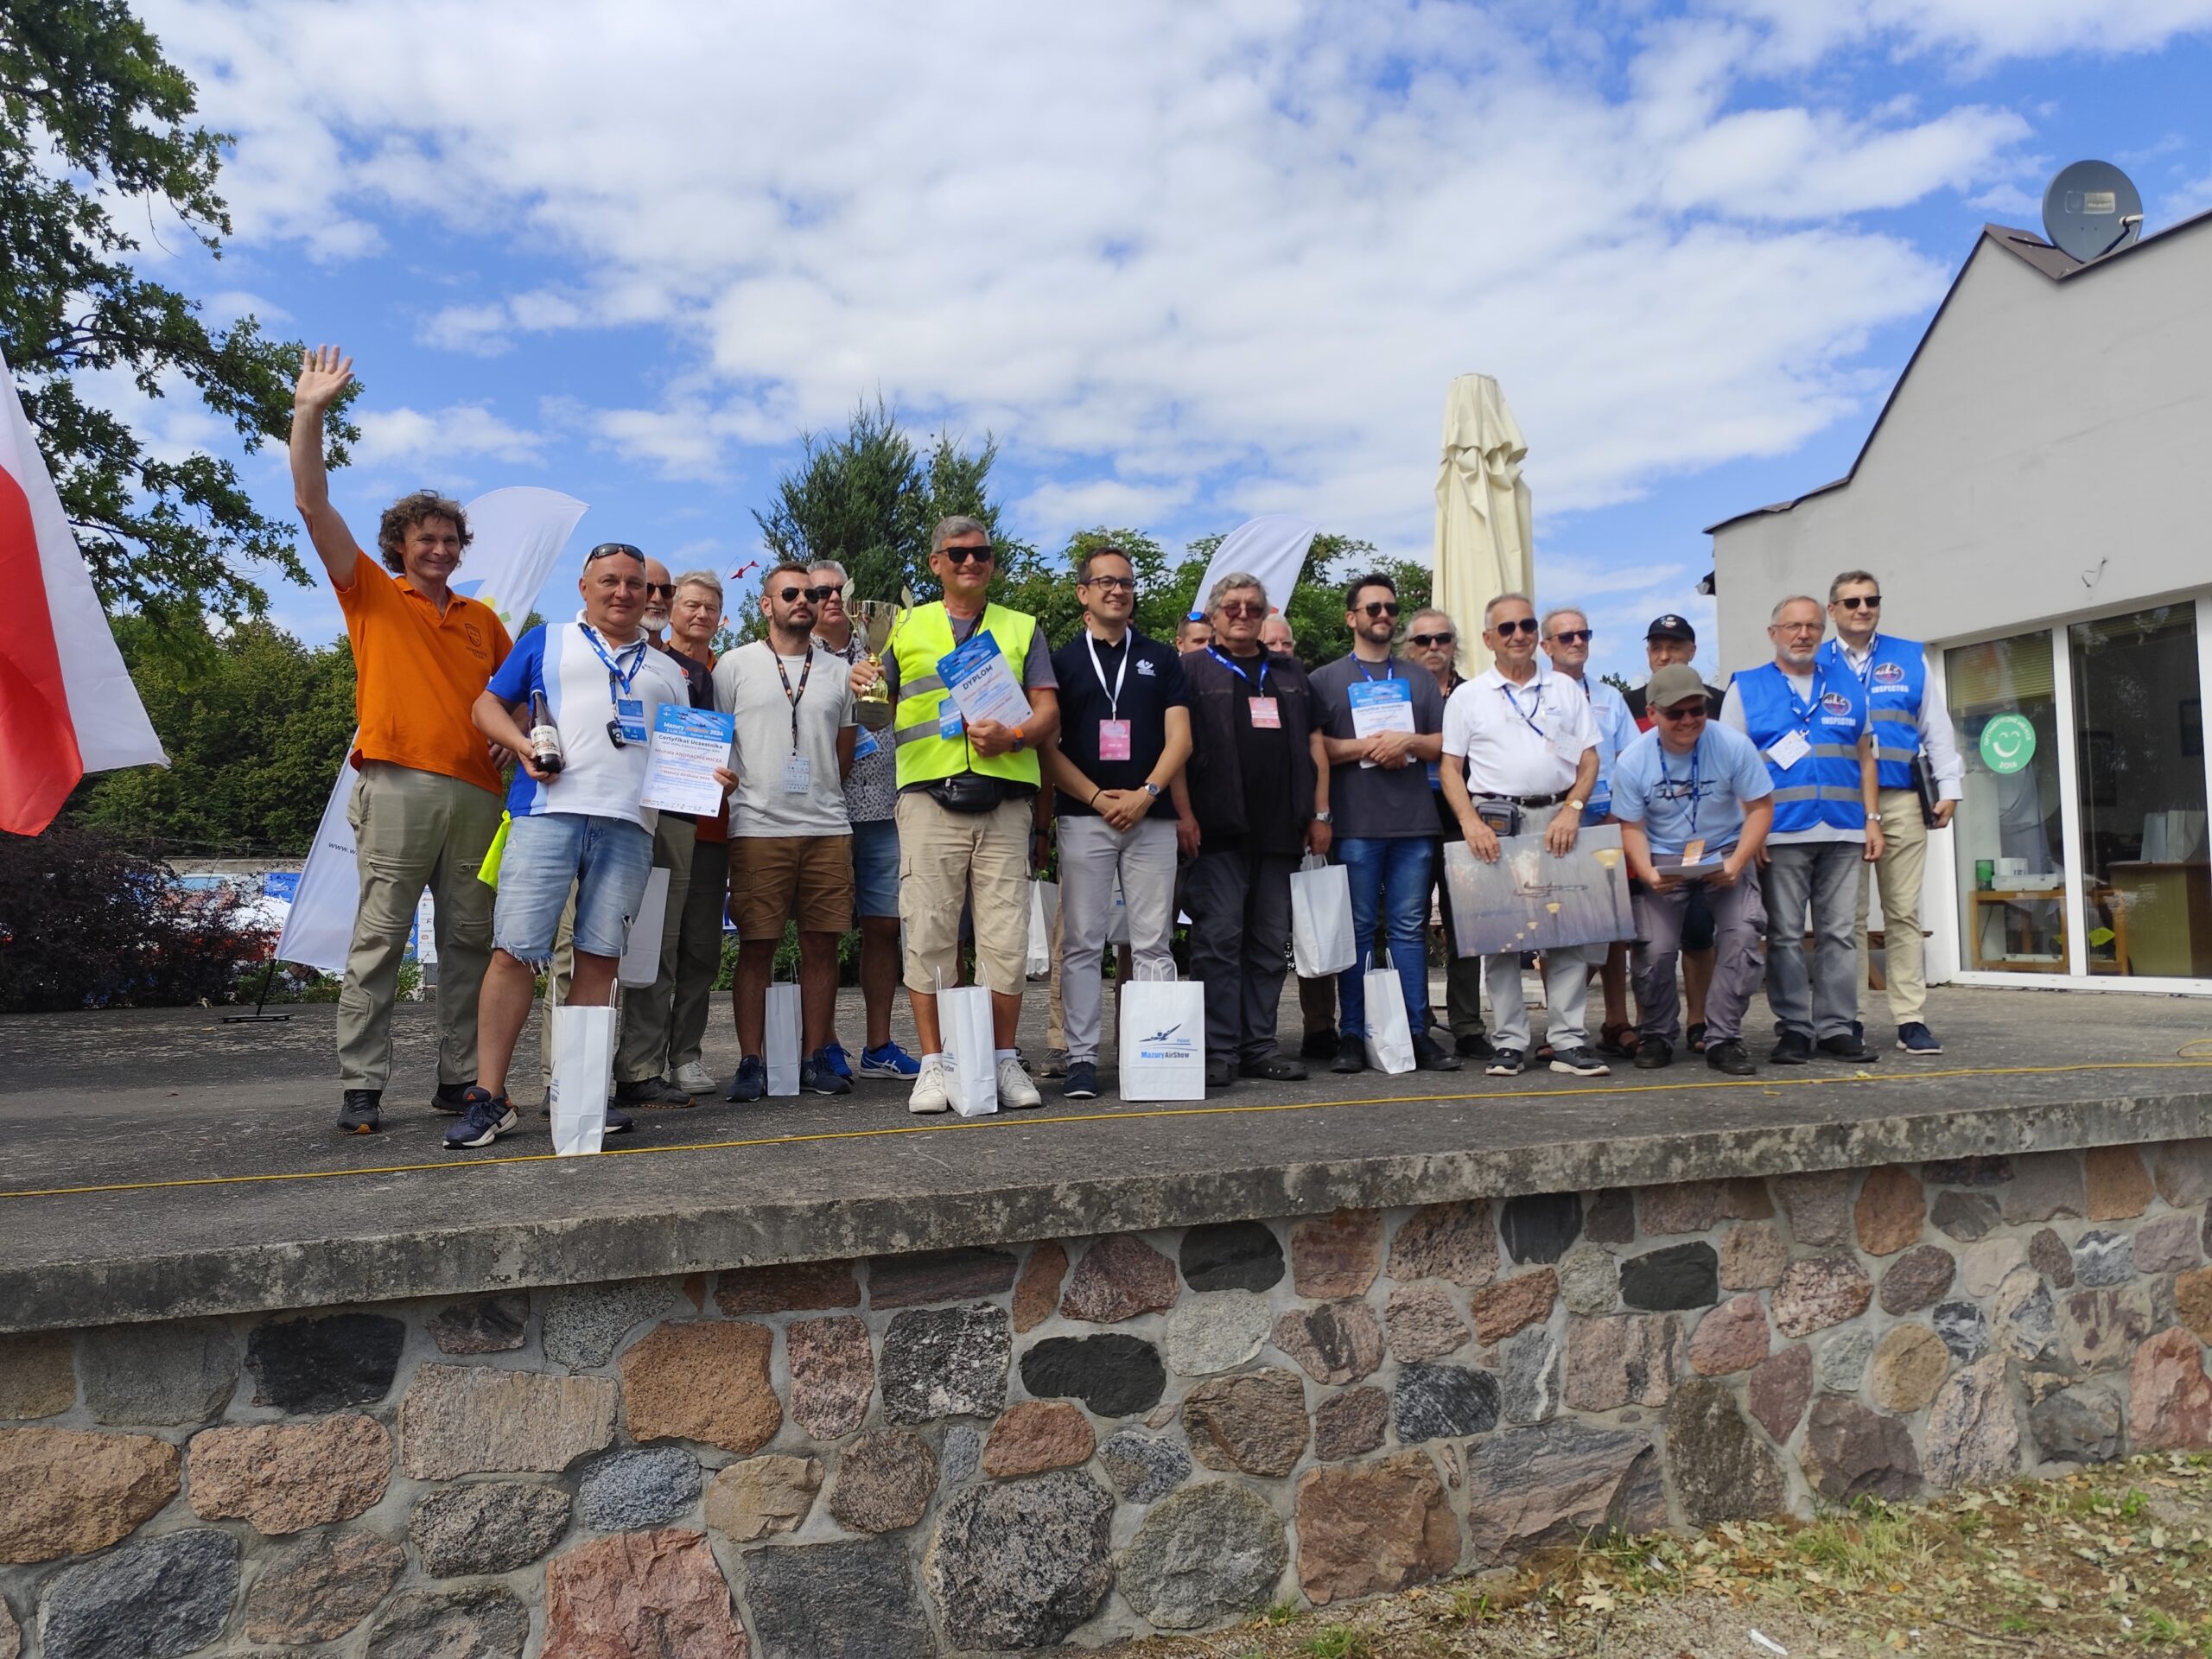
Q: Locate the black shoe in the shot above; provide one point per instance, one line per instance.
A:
(1221, 1074)
(817, 1077)
(1276, 1068)
(1505, 1063)
(1318, 1044)
(1789, 1048)
(649, 1091)
(452, 1096)
(1731, 1056)
(619, 1122)
(1473, 1047)
(1653, 1054)
(1351, 1055)
(361, 1111)
(1580, 1062)
(751, 1081)
(1083, 1081)
(1852, 1050)
(1430, 1056)
(488, 1117)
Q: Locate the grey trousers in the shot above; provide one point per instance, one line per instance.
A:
(1567, 996)
(1812, 886)
(1239, 904)
(698, 952)
(1738, 936)
(1092, 852)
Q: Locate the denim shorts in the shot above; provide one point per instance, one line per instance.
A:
(875, 867)
(607, 860)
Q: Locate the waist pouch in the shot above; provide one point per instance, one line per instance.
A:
(1503, 818)
(970, 791)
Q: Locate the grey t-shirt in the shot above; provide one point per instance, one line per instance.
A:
(748, 687)
(1375, 803)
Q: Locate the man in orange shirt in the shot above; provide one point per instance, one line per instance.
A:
(427, 805)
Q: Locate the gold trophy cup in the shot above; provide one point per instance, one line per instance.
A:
(879, 620)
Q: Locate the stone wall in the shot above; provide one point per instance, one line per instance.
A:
(998, 1448)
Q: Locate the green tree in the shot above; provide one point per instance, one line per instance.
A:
(95, 121)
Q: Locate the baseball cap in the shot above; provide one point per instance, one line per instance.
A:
(1671, 626)
(1676, 683)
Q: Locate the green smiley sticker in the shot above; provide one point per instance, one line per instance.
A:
(2008, 743)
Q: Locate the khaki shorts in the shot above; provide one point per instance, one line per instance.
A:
(979, 859)
(774, 879)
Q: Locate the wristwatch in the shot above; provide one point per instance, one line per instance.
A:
(1574, 806)
(1152, 790)
(1019, 741)
(1325, 817)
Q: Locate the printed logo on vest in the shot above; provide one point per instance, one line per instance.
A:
(1889, 673)
(1145, 668)
(1835, 702)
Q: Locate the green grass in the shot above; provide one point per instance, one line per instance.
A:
(1340, 1642)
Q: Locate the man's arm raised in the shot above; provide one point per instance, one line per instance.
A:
(324, 374)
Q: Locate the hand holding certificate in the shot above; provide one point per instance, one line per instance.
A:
(1380, 706)
(981, 684)
(688, 746)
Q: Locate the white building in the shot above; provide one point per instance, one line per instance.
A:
(2035, 499)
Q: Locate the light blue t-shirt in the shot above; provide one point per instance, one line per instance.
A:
(1696, 797)
(1616, 732)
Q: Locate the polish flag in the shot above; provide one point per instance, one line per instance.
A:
(67, 706)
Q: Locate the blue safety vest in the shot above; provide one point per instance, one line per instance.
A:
(1822, 788)
(1895, 682)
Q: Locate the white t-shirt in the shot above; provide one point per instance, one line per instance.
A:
(1519, 739)
(596, 778)
(748, 687)
(1732, 714)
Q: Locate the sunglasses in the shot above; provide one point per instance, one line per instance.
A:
(1685, 711)
(787, 594)
(962, 555)
(1426, 640)
(1111, 584)
(1861, 602)
(1379, 608)
(1524, 625)
(608, 550)
(666, 590)
(1243, 607)
(1573, 636)
(822, 595)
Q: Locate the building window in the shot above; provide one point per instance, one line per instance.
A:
(2009, 841)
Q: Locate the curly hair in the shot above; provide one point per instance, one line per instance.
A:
(409, 511)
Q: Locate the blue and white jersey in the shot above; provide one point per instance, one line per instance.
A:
(588, 684)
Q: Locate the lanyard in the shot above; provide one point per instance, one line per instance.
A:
(1113, 691)
(1802, 712)
(1527, 715)
(1389, 671)
(1866, 674)
(789, 695)
(1697, 754)
(1230, 663)
(618, 680)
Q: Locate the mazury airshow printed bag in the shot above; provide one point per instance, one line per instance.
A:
(1163, 1031)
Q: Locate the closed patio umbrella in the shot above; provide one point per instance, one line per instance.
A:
(1484, 543)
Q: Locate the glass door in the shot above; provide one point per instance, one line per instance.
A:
(2008, 834)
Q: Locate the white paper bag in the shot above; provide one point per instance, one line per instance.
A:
(583, 1071)
(1163, 1037)
(640, 963)
(1390, 1034)
(1044, 908)
(970, 1054)
(1320, 918)
(783, 1040)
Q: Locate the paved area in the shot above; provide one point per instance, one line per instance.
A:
(161, 1162)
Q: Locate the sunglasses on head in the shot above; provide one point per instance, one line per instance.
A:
(1376, 607)
(1573, 636)
(1861, 602)
(1426, 640)
(1521, 625)
(608, 550)
(962, 555)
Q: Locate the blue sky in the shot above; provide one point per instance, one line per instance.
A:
(1187, 264)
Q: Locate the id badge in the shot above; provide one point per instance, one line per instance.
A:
(949, 721)
(1564, 747)
(798, 774)
(630, 712)
(1266, 717)
(1113, 740)
(865, 744)
(1692, 852)
(1789, 751)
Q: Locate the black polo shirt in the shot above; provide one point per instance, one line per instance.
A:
(1151, 684)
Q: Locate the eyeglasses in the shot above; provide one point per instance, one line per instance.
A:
(787, 594)
(1573, 636)
(1424, 641)
(822, 595)
(1379, 608)
(1523, 625)
(608, 550)
(667, 589)
(962, 555)
(1111, 584)
(1242, 608)
(1861, 602)
(1684, 711)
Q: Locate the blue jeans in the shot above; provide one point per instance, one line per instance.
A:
(607, 860)
(1388, 877)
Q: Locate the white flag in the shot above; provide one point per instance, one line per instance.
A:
(1271, 547)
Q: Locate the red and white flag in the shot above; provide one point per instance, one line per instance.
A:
(67, 706)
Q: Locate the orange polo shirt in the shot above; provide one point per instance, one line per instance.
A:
(416, 674)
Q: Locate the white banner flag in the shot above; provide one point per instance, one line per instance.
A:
(1272, 547)
(519, 532)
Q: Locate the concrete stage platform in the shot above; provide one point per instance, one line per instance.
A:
(158, 1164)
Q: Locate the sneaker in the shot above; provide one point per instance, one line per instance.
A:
(889, 1060)
(361, 1111)
(1351, 1055)
(454, 1096)
(1430, 1056)
(1730, 1056)
(1653, 1054)
(1054, 1065)
(488, 1118)
(833, 1056)
(1276, 1068)
(1852, 1050)
(1320, 1045)
(1915, 1039)
(817, 1077)
(930, 1095)
(693, 1079)
(1580, 1062)
(1016, 1091)
(618, 1122)
(1473, 1047)
(1083, 1081)
(1791, 1048)
(751, 1081)
(1221, 1074)
(1504, 1062)
(649, 1091)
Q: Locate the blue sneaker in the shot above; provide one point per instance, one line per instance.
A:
(889, 1060)
(619, 1122)
(833, 1056)
(1915, 1039)
(751, 1081)
(817, 1077)
(484, 1120)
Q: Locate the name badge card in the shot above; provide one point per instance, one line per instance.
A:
(865, 744)
(630, 713)
(1266, 717)
(1694, 852)
(798, 774)
(1789, 751)
(1113, 739)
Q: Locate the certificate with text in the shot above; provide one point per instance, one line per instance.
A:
(687, 745)
(982, 684)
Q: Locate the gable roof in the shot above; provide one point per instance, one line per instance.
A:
(2029, 250)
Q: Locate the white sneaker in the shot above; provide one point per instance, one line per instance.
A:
(929, 1094)
(693, 1079)
(1015, 1090)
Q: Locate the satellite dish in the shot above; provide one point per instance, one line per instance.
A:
(2092, 209)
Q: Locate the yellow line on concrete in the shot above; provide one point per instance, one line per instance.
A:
(1003, 1121)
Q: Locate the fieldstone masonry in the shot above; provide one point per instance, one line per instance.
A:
(1018, 1445)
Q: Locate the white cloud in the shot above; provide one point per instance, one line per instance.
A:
(392, 436)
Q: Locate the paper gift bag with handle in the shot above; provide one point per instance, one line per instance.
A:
(1320, 918)
(583, 1073)
(1389, 1034)
(1044, 910)
(970, 1054)
(783, 1040)
(640, 963)
(1163, 1036)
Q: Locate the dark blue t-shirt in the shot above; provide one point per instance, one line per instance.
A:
(1149, 678)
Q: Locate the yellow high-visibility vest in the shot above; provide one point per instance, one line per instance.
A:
(924, 754)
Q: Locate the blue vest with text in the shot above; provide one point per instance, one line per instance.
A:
(1895, 682)
(1822, 788)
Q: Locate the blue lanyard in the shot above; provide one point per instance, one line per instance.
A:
(1230, 663)
(1697, 754)
(1526, 717)
(620, 680)
(1802, 712)
(1389, 671)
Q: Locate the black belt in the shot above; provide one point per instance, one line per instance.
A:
(1526, 800)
